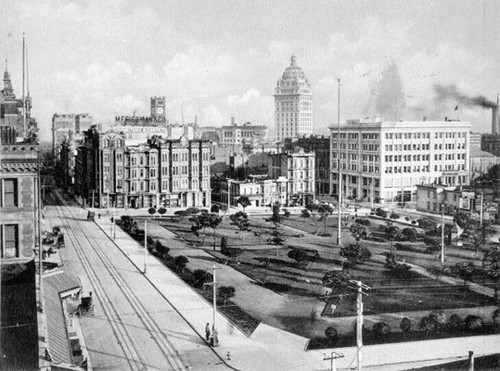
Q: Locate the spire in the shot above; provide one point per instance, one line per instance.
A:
(293, 60)
(7, 84)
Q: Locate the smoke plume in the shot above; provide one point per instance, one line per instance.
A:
(450, 92)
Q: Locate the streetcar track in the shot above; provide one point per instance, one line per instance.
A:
(150, 325)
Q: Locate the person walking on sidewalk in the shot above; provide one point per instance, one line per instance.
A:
(207, 331)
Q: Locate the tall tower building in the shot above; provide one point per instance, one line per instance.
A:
(293, 104)
(158, 107)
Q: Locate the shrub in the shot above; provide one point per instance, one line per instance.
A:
(214, 209)
(162, 211)
(455, 321)
(151, 210)
(473, 323)
(381, 212)
(286, 213)
(305, 213)
(410, 234)
(150, 241)
(426, 224)
(279, 287)
(162, 250)
(394, 216)
(364, 222)
(439, 318)
(180, 262)
(496, 317)
(405, 325)
(427, 324)
(201, 276)
(298, 255)
(331, 332)
(226, 292)
(413, 222)
(407, 218)
(223, 245)
(381, 328)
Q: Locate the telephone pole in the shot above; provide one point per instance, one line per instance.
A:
(215, 339)
(332, 358)
(442, 234)
(145, 243)
(358, 285)
(339, 202)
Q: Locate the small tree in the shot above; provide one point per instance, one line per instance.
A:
(244, 201)
(491, 266)
(391, 232)
(162, 211)
(455, 321)
(358, 231)
(275, 217)
(226, 292)
(214, 209)
(223, 245)
(181, 262)
(233, 253)
(410, 234)
(277, 237)
(496, 317)
(473, 323)
(427, 324)
(305, 213)
(298, 255)
(465, 270)
(240, 220)
(355, 253)
(331, 333)
(439, 318)
(151, 211)
(286, 213)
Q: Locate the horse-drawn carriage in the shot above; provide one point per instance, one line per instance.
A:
(87, 306)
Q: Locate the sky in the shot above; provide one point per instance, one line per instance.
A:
(221, 59)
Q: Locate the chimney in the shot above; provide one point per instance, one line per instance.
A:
(232, 121)
(424, 118)
(494, 119)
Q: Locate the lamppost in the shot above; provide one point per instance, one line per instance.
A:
(339, 202)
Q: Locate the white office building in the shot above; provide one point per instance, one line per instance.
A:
(293, 104)
(387, 160)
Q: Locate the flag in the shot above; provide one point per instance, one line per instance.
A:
(456, 108)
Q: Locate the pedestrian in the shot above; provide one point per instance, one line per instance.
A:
(207, 331)
(99, 216)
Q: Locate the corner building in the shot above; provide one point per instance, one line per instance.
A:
(387, 160)
(293, 104)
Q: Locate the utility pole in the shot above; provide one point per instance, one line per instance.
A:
(39, 225)
(215, 339)
(481, 211)
(372, 191)
(471, 361)
(145, 243)
(228, 194)
(442, 234)
(358, 285)
(332, 358)
(339, 202)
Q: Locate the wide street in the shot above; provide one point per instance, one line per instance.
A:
(133, 327)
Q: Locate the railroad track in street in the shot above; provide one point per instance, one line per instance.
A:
(121, 330)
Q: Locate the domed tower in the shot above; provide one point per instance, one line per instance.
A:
(293, 104)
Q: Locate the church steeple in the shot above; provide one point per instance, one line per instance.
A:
(7, 84)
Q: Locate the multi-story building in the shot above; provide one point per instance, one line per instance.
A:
(161, 172)
(158, 108)
(387, 160)
(293, 104)
(261, 191)
(321, 148)
(298, 167)
(475, 141)
(481, 162)
(246, 134)
(67, 128)
(19, 193)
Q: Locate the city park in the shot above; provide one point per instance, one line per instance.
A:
(297, 278)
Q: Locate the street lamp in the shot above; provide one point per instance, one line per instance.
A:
(339, 203)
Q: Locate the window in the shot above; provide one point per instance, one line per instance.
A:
(9, 193)
(10, 241)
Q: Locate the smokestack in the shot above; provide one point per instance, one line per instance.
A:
(494, 120)
(232, 121)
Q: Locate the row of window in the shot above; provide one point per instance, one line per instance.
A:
(400, 158)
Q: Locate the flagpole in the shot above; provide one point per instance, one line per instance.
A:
(457, 108)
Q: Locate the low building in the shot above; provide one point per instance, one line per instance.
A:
(481, 162)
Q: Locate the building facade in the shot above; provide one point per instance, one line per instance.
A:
(298, 167)
(321, 148)
(481, 162)
(387, 160)
(245, 134)
(293, 104)
(67, 128)
(161, 172)
(19, 195)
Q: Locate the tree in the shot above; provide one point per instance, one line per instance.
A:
(496, 317)
(275, 217)
(433, 244)
(240, 220)
(491, 266)
(277, 237)
(439, 318)
(358, 231)
(410, 234)
(298, 255)
(286, 213)
(331, 333)
(336, 279)
(355, 253)
(455, 321)
(223, 245)
(324, 211)
(473, 323)
(203, 221)
(465, 270)
(233, 253)
(391, 232)
(214, 209)
(151, 211)
(305, 213)
(427, 224)
(181, 262)
(427, 324)
(162, 211)
(226, 292)
(439, 270)
(244, 201)
(214, 221)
